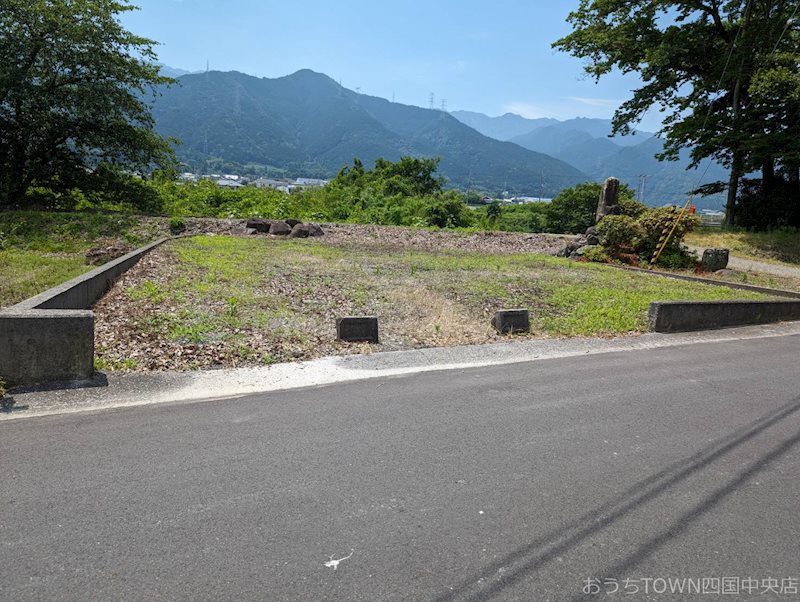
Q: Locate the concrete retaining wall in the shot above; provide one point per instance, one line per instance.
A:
(50, 337)
(685, 316)
(85, 290)
(39, 346)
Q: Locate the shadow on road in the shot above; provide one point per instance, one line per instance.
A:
(535, 555)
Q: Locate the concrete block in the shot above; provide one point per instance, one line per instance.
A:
(41, 346)
(362, 329)
(686, 316)
(510, 321)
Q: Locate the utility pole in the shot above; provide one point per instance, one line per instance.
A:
(642, 186)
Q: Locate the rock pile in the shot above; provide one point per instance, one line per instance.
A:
(108, 251)
(291, 227)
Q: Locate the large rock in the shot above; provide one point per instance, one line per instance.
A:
(315, 230)
(300, 231)
(715, 259)
(609, 199)
(259, 225)
(293, 222)
(592, 237)
(280, 229)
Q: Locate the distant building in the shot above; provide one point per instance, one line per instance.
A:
(223, 183)
(268, 183)
(311, 182)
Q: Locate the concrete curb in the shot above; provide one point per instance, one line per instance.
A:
(775, 292)
(687, 316)
(50, 337)
(152, 388)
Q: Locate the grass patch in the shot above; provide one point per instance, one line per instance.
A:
(775, 246)
(226, 300)
(27, 273)
(39, 250)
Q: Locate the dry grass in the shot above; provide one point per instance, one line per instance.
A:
(228, 301)
(780, 246)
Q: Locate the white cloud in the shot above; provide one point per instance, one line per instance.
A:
(526, 109)
(596, 102)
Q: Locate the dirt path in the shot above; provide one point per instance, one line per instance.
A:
(760, 267)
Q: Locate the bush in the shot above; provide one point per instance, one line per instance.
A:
(621, 232)
(631, 208)
(760, 211)
(449, 211)
(659, 220)
(598, 254)
(176, 225)
(677, 259)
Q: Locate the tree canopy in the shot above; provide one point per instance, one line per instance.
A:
(74, 88)
(725, 72)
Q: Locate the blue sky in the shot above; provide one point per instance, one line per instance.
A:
(479, 56)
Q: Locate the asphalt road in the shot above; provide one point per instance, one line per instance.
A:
(515, 482)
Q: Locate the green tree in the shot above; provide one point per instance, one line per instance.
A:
(575, 209)
(74, 87)
(493, 212)
(698, 60)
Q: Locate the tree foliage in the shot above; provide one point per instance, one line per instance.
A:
(575, 209)
(725, 72)
(74, 87)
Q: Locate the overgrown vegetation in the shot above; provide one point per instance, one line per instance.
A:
(41, 249)
(211, 301)
(774, 245)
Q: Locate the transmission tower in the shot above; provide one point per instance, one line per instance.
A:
(432, 100)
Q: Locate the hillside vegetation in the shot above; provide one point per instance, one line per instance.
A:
(306, 124)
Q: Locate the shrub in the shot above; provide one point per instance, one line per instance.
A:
(176, 225)
(677, 259)
(448, 211)
(631, 208)
(598, 254)
(620, 232)
(657, 221)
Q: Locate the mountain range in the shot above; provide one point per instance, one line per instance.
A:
(586, 145)
(307, 124)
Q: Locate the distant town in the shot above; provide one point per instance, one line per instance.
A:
(237, 181)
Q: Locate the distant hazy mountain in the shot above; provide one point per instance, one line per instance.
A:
(504, 127)
(307, 124)
(584, 144)
(173, 71)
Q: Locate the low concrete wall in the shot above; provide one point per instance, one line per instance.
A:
(82, 292)
(685, 316)
(773, 292)
(50, 337)
(39, 346)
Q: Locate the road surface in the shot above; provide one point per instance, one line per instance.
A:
(515, 482)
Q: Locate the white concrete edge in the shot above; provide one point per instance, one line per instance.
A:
(136, 390)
